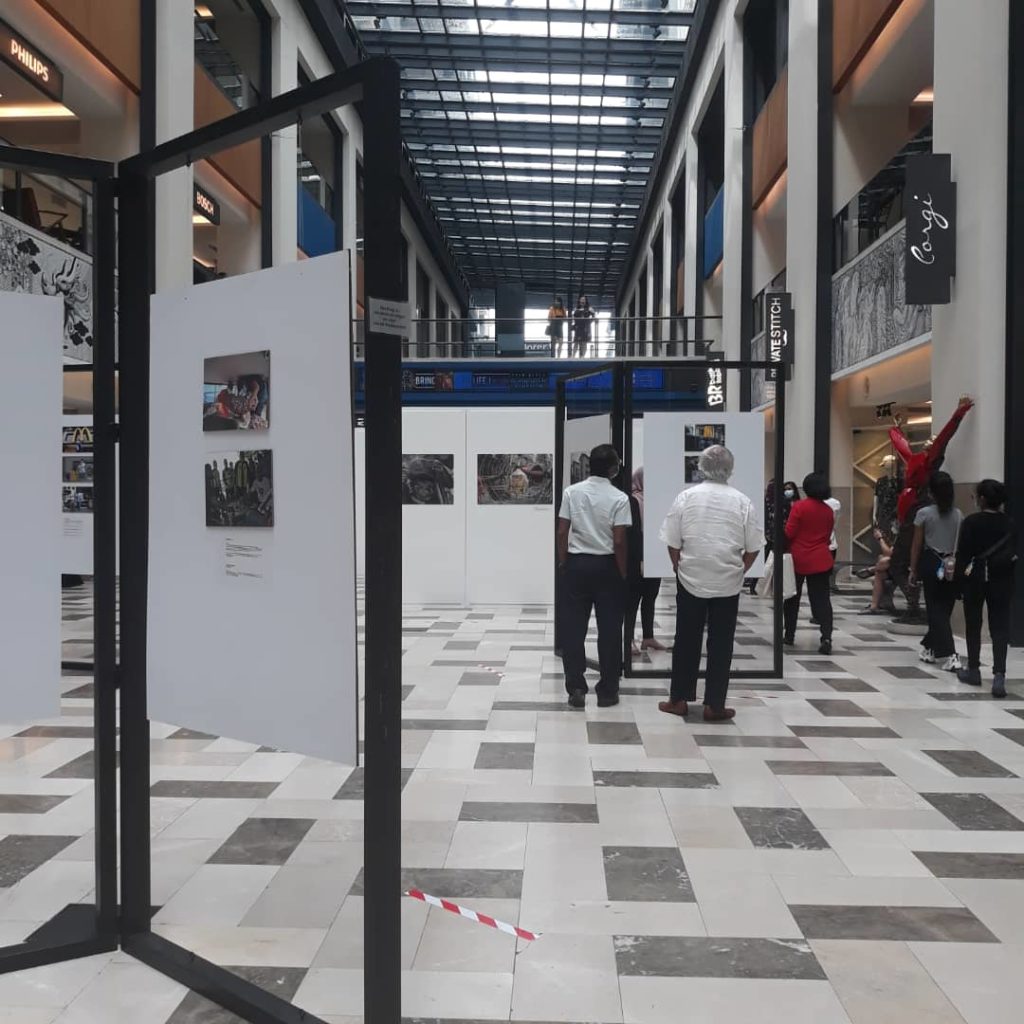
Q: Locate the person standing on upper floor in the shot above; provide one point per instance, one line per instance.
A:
(986, 562)
(809, 532)
(592, 550)
(932, 558)
(582, 326)
(713, 538)
(556, 327)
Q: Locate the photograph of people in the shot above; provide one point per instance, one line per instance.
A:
(240, 492)
(514, 480)
(236, 392)
(428, 479)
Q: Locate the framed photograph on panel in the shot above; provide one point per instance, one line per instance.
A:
(236, 392)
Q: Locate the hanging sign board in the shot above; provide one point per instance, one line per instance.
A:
(31, 63)
(386, 316)
(781, 332)
(205, 205)
(930, 204)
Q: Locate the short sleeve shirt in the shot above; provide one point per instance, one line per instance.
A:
(713, 526)
(940, 530)
(594, 508)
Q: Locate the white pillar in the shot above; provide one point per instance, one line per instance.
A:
(733, 298)
(175, 115)
(969, 334)
(801, 231)
(284, 147)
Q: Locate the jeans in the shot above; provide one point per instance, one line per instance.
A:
(939, 601)
(692, 614)
(819, 594)
(997, 594)
(643, 595)
(592, 582)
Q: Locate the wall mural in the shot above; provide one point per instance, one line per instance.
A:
(34, 263)
(869, 311)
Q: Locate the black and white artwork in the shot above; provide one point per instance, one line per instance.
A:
(579, 467)
(77, 469)
(236, 392)
(701, 436)
(240, 489)
(691, 470)
(33, 263)
(869, 311)
(428, 479)
(513, 479)
(76, 500)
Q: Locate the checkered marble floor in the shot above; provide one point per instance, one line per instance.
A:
(850, 850)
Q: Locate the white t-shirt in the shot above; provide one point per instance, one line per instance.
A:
(713, 525)
(594, 507)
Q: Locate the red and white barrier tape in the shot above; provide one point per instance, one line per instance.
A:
(472, 915)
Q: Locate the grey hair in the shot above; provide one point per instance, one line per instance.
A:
(716, 464)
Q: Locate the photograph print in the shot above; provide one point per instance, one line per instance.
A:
(428, 479)
(691, 470)
(240, 489)
(76, 500)
(77, 469)
(700, 436)
(579, 467)
(236, 392)
(76, 440)
(513, 479)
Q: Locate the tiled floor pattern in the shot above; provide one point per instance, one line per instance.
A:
(849, 851)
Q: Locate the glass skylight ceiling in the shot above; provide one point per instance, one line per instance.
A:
(534, 125)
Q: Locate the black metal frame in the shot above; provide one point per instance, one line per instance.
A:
(622, 438)
(87, 929)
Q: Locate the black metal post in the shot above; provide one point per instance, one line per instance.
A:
(560, 417)
(779, 538)
(382, 155)
(624, 390)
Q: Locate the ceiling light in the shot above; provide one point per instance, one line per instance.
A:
(34, 111)
(204, 12)
(925, 97)
(918, 421)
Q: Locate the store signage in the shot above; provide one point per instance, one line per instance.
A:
(930, 204)
(205, 205)
(716, 388)
(780, 331)
(386, 316)
(31, 63)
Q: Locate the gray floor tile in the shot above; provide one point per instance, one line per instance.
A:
(12, 803)
(849, 686)
(21, 855)
(834, 708)
(530, 812)
(864, 732)
(851, 768)
(820, 666)
(196, 789)
(907, 672)
(533, 705)
(613, 733)
(480, 679)
(443, 725)
(974, 865)
(69, 732)
(655, 780)
(974, 812)
(505, 755)
(191, 734)
(969, 764)
(263, 841)
(462, 645)
(81, 767)
(683, 957)
(648, 874)
(891, 924)
(780, 828)
(725, 739)
(280, 981)
(1016, 735)
(958, 696)
(458, 883)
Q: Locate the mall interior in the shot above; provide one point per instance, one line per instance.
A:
(294, 746)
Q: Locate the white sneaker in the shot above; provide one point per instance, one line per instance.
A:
(951, 664)
(926, 656)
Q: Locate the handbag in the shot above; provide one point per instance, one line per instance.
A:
(788, 577)
(766, 585)
(987, 554)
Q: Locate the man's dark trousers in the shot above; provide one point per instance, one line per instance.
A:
(692, 613)
(592, 582)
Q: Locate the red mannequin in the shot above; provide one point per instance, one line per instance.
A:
(921, 465)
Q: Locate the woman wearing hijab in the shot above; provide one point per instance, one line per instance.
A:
(643, 593)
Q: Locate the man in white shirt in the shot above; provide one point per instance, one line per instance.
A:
(713, 538)
(592, 546)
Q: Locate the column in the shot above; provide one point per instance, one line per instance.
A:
(969, 334)
(735, 196)
(284, 147)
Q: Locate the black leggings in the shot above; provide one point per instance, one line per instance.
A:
(643, 595)
(997, 594)
(939, 602)
(818, 592)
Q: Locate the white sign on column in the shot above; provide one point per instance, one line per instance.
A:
(388, 317)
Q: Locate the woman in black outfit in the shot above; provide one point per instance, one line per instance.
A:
(643, 593)
(985, 562)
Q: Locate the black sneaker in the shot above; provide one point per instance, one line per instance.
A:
(607, 702)
(826, 647)
(577, 699)
(789, 641)
(999, 685)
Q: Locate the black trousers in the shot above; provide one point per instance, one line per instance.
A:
(819, 593)
(643, 595)
(939, 601)
(592, 582)
(692, 615)
(997, 594)
(899, 564)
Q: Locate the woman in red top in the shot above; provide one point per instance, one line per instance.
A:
(809, 532)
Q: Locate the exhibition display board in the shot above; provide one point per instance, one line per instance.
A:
(30, 426)
(252, 598)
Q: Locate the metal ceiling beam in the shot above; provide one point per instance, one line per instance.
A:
(541, 88)
(484, 133)
(455, 12)
(630, 114)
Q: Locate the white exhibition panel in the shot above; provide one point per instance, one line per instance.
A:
(582, 435)
(268, 657)
(509, 548)
(664, 460)
(30, 420)
(434, 536)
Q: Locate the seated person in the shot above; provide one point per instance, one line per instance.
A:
(881, 591)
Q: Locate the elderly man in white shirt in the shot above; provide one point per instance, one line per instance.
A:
(592, 547)
(713, 538)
